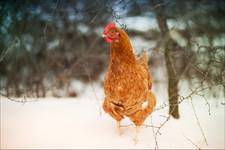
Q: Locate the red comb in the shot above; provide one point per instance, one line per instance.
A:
(108, 27)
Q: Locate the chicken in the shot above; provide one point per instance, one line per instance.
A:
(127, 83)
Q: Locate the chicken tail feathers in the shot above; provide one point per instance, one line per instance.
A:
(143, 59)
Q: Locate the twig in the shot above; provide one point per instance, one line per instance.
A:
(198, 122)
(152, 126)
(143, 125)
(207, 103)
(191, 142)
(23, 100)
(159, 133)
(196, 91)
(155, 137)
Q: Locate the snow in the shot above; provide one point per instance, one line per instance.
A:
(140, 23)
(139, 44)
(77, 123)
(145, 23)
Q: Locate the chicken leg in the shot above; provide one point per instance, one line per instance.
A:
(139, 117)
(119, 128)
(112, 112)
(137, 130)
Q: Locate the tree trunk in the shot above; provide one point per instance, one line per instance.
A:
(169, 54)
(172, 80)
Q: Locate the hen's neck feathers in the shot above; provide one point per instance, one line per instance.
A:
(122, 51)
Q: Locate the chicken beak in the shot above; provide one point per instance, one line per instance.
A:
(103, 35)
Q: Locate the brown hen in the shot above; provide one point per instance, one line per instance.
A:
(127, 83)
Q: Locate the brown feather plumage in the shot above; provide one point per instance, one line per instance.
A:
(127, 83)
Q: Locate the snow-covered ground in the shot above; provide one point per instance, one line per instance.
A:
(77, 123)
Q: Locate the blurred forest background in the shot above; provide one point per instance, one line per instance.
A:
(45, 45)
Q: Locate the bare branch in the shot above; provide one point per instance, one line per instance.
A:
(22, 100)
(198, 122)
(191, 142)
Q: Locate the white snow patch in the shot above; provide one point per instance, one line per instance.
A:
(77, 86)
(140, 23)
(53, 44)
(76, 123)
(139, 44)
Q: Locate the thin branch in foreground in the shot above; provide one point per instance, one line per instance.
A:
(198, 122)
(158, 131)
(191, 142)
(196, 91)
(207, 103)
(155, 134)
(22, 100)
(155, 137)
(152, 126)
(144, 125)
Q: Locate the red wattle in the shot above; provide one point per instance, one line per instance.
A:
(109, 40)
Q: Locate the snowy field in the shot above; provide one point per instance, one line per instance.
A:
(77, 123)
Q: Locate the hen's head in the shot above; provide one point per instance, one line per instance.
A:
(111, 33)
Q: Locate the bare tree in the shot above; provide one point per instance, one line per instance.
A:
(170, 48)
